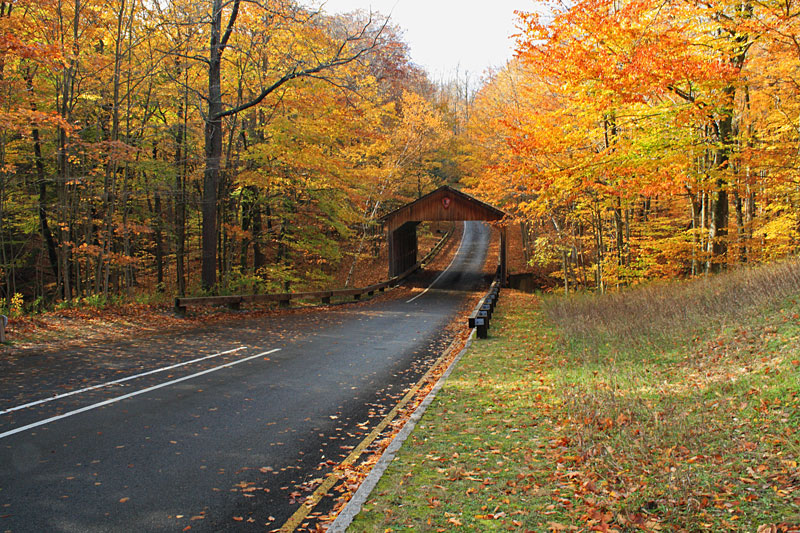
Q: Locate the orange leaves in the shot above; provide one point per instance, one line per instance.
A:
(635, 50)
(639, 521)
(21, 120)
(614, 104)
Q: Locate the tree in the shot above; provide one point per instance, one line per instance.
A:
(327, 45)
(616, 113)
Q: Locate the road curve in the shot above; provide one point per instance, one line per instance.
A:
(216, 430)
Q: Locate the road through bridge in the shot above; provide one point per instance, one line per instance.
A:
(443, 204)
(218, 429)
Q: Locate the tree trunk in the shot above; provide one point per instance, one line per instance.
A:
(247, 206)
(600, 251)
(180, 195)
(619, 234)
(725, 136)
(41, 177)
(259, 259)
(718, 230)
(213, 150)
(694, 205)
(159, 238)
(740, 229)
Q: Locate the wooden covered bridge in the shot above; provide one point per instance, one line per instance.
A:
(443, 204)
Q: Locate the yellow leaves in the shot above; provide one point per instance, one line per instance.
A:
(418, 132)
(611, 101)
(90, 97)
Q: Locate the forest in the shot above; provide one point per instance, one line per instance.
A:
(180, 147)
(165, 147)
(643, 139)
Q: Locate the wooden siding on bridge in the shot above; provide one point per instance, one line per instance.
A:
(443, 204)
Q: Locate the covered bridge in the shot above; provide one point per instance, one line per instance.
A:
(443, 204)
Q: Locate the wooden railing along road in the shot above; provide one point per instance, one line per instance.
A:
(479, 318)
(284, 299)
(482, 314)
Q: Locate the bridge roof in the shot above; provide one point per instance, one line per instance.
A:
(445, 203)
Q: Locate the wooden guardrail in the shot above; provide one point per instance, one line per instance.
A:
(480, 317)
(284, 299)
(3, 325)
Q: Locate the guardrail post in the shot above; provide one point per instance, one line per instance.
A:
(3, 324)
(491, 300)
(180, 310)
(482, 314)
(284, 302)
(482, 325)
(326, 300)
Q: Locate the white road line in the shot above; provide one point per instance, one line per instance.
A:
(118, 381)
(445, 270)
(131, 395)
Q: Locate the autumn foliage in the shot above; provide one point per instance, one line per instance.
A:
(142, 140)
(642, 139)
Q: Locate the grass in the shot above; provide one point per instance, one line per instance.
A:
(669, 314)
(667, 408)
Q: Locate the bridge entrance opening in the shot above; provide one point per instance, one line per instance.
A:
(443, 204)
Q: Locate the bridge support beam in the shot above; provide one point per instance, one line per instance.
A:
(503, 258)
(402, 248)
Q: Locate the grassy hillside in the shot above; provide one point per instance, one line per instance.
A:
(671, 407)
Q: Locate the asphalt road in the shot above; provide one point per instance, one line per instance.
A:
(227, 442)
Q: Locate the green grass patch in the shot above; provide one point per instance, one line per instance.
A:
(549, 427)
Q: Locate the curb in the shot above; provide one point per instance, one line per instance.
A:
(353, 507)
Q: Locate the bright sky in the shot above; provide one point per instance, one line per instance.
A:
(445, 35)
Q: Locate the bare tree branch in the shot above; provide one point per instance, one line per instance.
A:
(229, 28)
(336, 61)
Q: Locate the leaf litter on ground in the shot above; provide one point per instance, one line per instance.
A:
(538, 430)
